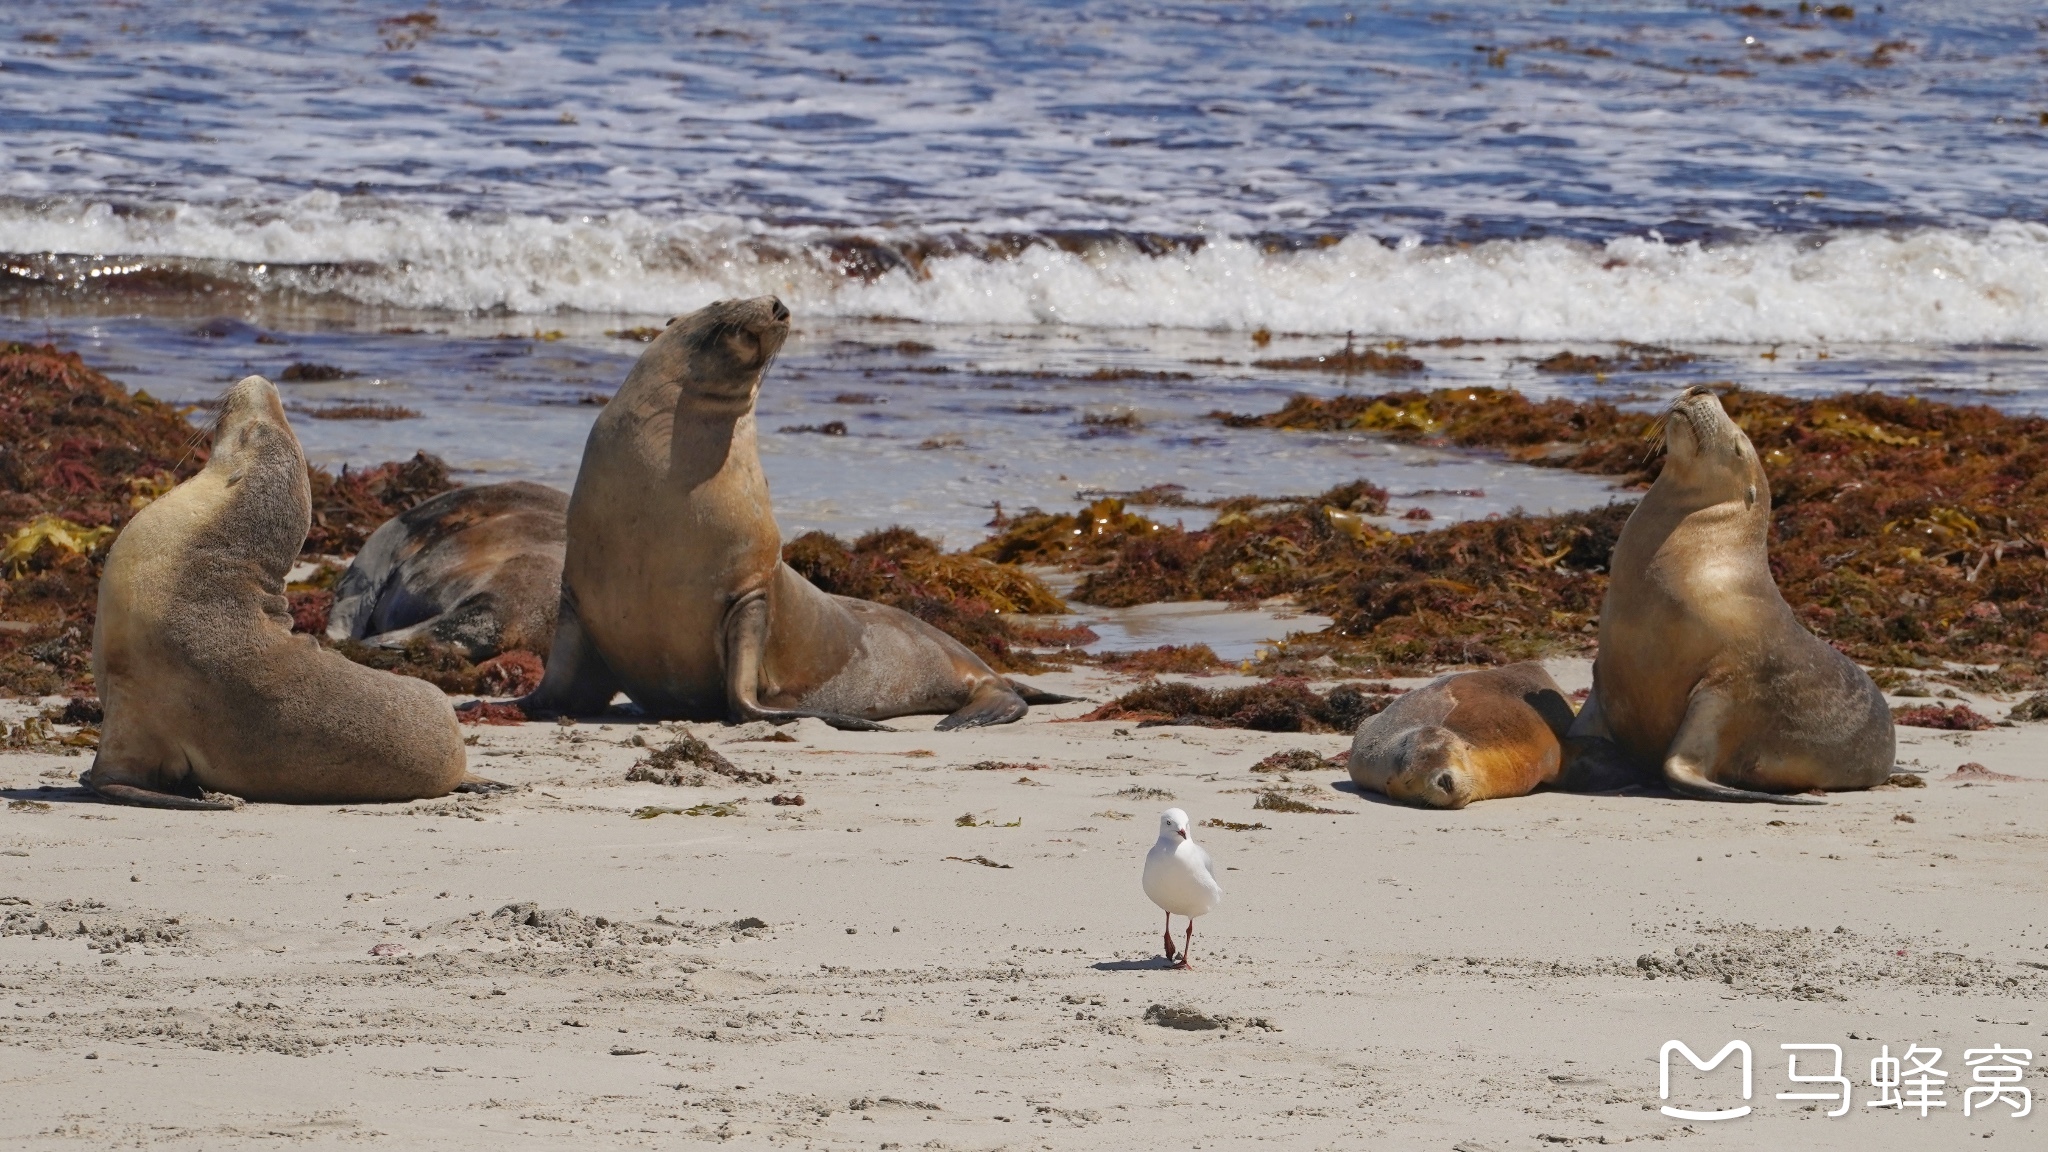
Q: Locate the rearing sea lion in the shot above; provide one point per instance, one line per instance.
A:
(206, 689)
(1703, 669)
(674, 590)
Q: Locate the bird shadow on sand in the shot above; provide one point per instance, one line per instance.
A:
(1148, 964)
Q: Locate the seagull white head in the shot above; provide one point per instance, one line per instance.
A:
(1173, 824)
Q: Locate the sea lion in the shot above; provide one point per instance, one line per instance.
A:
(1464, 737)
(205, 688)
(476, 567)
(1703, 669)
(674, 590)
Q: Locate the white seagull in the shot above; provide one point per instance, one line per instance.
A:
(1180, 879)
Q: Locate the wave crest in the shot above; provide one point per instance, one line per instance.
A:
(1928, 285)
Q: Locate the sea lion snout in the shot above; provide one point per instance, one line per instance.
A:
(248, 409)
(1707, 451)
(720, 351)
(1438, 772)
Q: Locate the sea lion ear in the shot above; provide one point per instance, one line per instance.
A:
(1749, 496)
(672, 321)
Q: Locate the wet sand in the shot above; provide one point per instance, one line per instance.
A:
(847, 974)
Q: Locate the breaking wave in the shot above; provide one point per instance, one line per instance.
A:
(1928, 285)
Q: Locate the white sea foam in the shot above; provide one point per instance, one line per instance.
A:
(1928, 285)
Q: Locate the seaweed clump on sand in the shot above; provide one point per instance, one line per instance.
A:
(1489, 591)
(970, 598)
(685, 762)
(1907, 532)
(81, 454)
(1279, 705)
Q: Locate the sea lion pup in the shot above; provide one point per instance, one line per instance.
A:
(1464, 737)
(675, 592)
(477, 567)
(1703, 669)
(206, 689)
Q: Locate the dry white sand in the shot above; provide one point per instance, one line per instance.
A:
(1387, 978)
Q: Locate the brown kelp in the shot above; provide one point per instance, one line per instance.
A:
(968, 597)
(82, 454)
(1906, 531)
(1278, 705)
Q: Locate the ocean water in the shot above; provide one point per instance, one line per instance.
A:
(979, 212)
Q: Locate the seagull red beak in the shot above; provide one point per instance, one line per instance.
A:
(1181, 832)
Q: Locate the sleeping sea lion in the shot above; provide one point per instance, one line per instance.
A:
(1464, 737)
(674, 590)
(477, 567)
(1703, 670)
(208, 694)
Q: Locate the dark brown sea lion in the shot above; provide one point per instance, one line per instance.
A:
(209, 696)
(674, 591)
(1464, 737)
(1703, 670)
(477, 567)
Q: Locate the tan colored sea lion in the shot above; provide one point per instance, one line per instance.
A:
(1464, 737)
(478, 567)
(208, 694)
(674, 590)
(1703, 669)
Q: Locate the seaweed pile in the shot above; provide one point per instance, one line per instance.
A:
(81, 456)
(1490, 591)
(1278, 705)
(970, 598)
(1586, 436)
(1907, 532)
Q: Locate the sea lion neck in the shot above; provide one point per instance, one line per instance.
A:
(263, 496)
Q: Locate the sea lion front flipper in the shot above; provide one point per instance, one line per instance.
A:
(995, 702)
(746, 637)
(1696, 749)
(578, 682)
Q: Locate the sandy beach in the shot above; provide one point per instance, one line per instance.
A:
(867, 970)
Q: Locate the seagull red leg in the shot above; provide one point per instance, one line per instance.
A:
(1187, 948)
(1169, 937)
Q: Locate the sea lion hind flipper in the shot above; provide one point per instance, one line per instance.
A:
(146, 798)
(994, 703)
(1031, 695)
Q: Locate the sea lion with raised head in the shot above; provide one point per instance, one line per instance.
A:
(674, 590)
(209, 697)
(1703, 670)
(1464, 737)
(478, 567)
